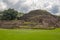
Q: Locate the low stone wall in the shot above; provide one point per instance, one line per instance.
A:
(11, 24)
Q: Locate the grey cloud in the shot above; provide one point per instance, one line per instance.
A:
(55, 9)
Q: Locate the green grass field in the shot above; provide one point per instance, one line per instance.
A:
(29, 34)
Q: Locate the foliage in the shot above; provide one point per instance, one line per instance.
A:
(9, 14)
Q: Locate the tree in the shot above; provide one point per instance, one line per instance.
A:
(1, 14)
(20, 14)
(9, 14)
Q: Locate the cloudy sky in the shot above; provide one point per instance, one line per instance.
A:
(52, 6)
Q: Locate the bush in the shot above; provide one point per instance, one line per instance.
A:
(9, 14)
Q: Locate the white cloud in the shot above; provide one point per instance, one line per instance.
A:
(3, 6)
(13, 1)
(41, 4)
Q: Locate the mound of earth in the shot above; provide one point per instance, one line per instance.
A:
(43, 18)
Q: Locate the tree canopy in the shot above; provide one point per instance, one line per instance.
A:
(10, 14)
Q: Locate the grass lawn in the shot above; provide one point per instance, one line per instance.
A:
(29, 34)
